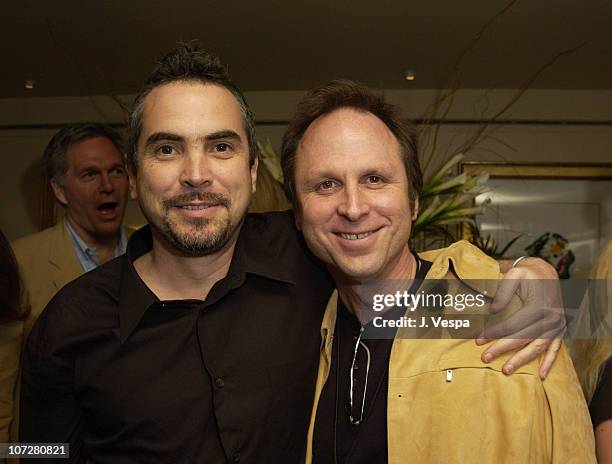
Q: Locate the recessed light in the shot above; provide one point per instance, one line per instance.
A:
(410, 75)
(29, 84)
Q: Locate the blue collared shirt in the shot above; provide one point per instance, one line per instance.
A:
(88, 256)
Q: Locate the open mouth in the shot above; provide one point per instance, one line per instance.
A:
(108, 207)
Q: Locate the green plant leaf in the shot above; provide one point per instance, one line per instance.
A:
(445, 168)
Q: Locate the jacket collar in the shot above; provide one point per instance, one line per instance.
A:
(461, 258)
(474, 268)
(62, 255)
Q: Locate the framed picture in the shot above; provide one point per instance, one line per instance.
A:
(560, 212)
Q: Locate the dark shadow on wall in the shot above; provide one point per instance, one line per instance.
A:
(38, 196)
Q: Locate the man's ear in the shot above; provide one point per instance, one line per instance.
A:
(415, 209)
(254, 175)
(132, 182)
(58, 191)
(297, 217)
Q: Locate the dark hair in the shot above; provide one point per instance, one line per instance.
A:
(11, 298)
(348, 94)
(187, 63)
(54, 156)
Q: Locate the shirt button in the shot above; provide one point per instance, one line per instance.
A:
(236, 457)
(219, 382)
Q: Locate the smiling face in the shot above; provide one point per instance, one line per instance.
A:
(94, 188)
(194, 182)
(353, 195)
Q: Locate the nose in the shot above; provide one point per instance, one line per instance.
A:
(196, 170)
(353, 205)
(106, 183)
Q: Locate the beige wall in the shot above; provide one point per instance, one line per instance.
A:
(23, 142)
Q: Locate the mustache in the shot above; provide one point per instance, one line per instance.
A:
(207, 197)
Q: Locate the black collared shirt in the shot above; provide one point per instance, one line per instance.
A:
(126, 378)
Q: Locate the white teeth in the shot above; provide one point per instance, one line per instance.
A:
(194, 207)
(355, 236)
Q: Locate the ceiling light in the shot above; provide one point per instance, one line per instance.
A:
(410, 75)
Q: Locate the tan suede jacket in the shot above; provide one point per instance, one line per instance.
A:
(480, 415)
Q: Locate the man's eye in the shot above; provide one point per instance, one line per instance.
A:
(118, 172)
(166, 150)
(88, 174)
(374, 179)
(327, 185)
(222, 147)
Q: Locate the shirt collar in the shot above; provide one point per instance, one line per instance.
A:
(134, 296)
(257, 252)
(250, 257)
(88, 256)
(122, 243)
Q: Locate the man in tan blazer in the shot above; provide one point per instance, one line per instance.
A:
(85, 165)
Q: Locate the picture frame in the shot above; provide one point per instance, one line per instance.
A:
(571, 202)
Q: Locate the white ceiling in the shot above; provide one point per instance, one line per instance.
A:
(89, 47)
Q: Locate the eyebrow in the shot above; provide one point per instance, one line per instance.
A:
(171, 137)
(318, 175)
(163, 136)
(223, 134)
(98, 168)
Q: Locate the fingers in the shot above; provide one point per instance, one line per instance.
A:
(500, 347)
(550, 357)
(506, 290)
(534, 279)
(530, 322)
(543, 328)
(536, 329)
(530, 352)
(531, 349)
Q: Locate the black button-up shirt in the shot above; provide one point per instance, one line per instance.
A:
(125, 378)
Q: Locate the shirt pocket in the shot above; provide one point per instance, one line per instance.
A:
(467, 412)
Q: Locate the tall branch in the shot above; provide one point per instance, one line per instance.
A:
(455, 80)
(469, 144)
